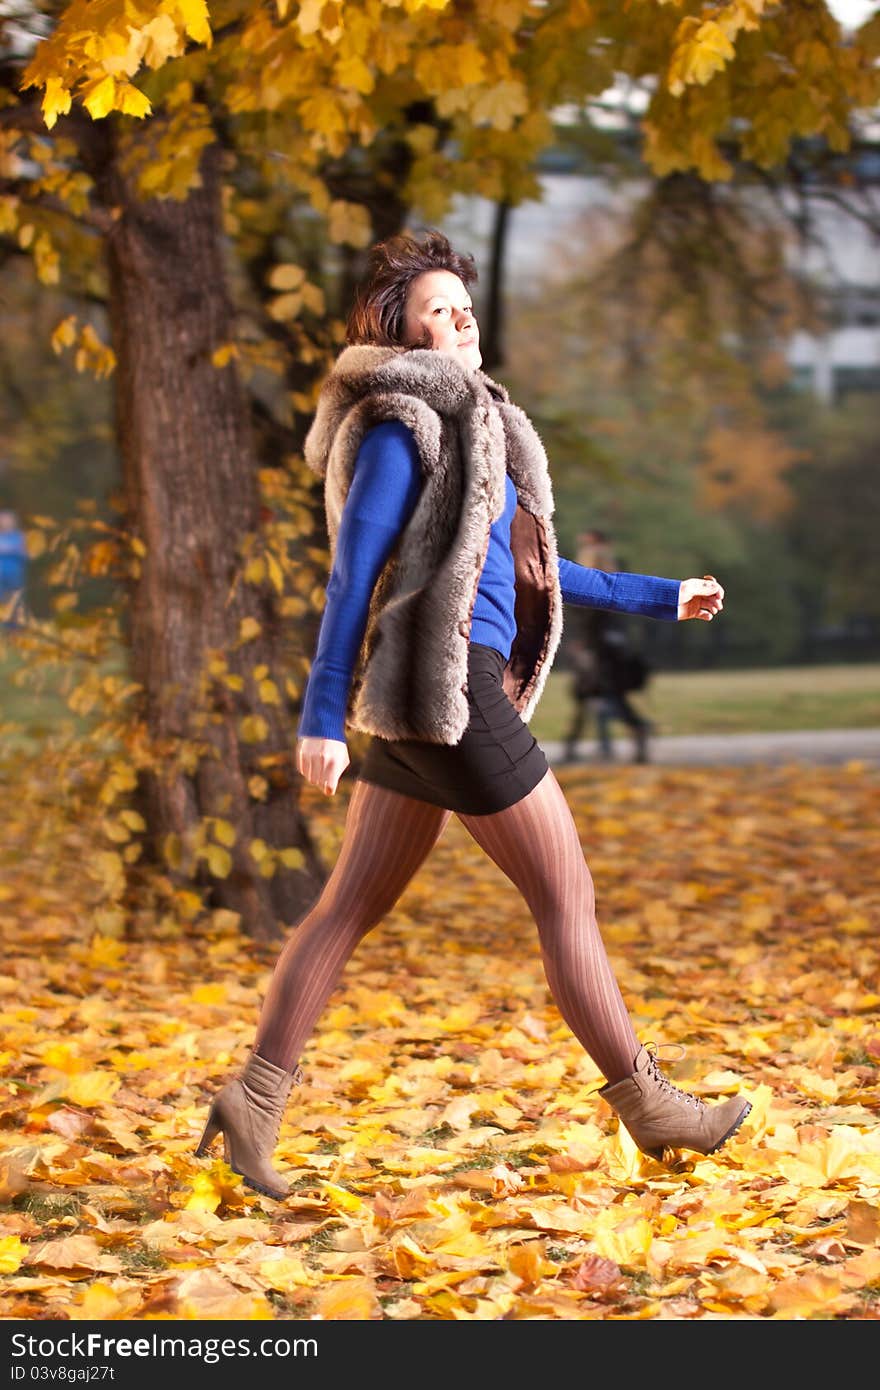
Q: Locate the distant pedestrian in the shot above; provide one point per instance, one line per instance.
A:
(607, 668)
(13, 569)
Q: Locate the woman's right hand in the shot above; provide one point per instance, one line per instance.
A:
(322, 762)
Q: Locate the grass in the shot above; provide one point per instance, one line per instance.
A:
(29, 715)
(692, 702)
(736, 702)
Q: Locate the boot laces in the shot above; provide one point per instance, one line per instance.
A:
(663, 1081)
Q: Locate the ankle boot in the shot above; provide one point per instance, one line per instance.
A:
(248, 1112)
(658, 1115)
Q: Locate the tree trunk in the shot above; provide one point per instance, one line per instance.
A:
(191, 487)
(492, 336)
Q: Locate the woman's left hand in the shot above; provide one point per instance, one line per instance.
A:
(700, 598)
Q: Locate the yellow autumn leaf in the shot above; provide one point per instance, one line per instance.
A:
(196, 19)
(813, 1084)
(159, 40)
(866, 1003)
(206, 1294)
(253, 728)
(47, 262)
(353, 1299)
(132, 102)
(468, 64)
(172, 850)
(73, 1252)
(557, 1217)
(626, 1241)
(353, 72)
(863, 1270)
(248, 629)
(63, 1057)
(322, 113)
(92, 1088)
(292, 858)
(209, 994)
(340, 1198)
(349, 223)
(286, 276)
(863, 1224)
(56, 101)
(313, 299)
(104, 951)
(813, 1294)
(101, 1302)
(276, 574)
(285, 306)
(98, 97)
(699, 57)
(528, 1263)
(457, 1114)
(500, 105)
(223, 355)
(308, 16)
(207, 1190)
(269, 693)
(8, 214)
(460, 1018)
(287, 1273)
(224, 832)
(188, 904)
(12, 1253)
(219, 861)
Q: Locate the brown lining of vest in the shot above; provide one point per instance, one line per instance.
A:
(532, 607)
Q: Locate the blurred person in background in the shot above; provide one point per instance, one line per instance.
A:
(607, 669)
(13, 569)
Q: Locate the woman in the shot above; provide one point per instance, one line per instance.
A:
(443, 615)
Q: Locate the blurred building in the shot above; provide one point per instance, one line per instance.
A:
(838, 258)
(844, 264)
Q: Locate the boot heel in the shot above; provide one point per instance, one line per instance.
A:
(209, 1134)
(248, 1112)
(660, 1116)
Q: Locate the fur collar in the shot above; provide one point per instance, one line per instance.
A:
(401, 380)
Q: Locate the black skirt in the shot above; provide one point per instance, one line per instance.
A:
(495, 764)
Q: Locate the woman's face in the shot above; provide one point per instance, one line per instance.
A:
(439, 303)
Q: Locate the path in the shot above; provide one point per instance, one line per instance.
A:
(718, 750)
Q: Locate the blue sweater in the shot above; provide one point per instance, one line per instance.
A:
(384, 490)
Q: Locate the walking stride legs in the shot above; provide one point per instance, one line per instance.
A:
(536, 844)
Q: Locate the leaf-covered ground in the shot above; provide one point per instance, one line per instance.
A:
(450, 1157)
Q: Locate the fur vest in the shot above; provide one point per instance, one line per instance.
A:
(410, 680)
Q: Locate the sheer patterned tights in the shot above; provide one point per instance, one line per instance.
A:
(387, 837)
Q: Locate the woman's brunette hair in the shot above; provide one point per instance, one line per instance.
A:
(378, 311)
